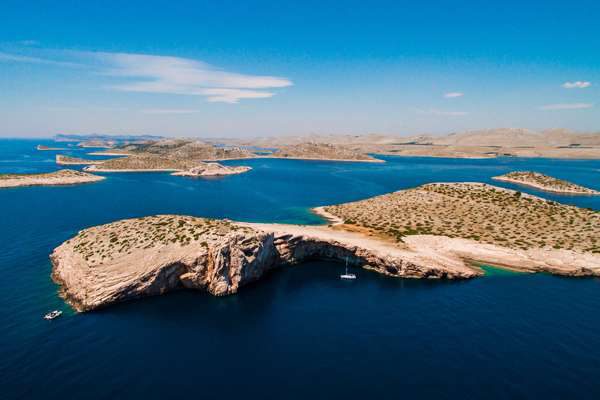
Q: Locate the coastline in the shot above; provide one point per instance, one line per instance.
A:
(49, 181)
(375, 160)
(333, 219)
(233, 254)
(87, 169)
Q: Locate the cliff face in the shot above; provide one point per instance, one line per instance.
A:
(149, 256)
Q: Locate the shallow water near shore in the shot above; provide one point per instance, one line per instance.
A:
(300, 332)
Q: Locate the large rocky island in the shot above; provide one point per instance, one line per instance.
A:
(61, 177)
(157, 163)
(545, 182)
(185, 149)
(67, 160)
(425, 232)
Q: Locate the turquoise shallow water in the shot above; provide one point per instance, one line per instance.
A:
(300, 332)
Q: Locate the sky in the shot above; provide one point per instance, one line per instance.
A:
(259, 68)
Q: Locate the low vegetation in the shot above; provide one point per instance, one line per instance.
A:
(475, 211)
(324, 151)
(63, 173)
(106, 242)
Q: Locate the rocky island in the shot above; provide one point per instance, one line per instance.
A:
(159, 163)
(141, 163)
(545, 182)
(440, 231)
(212, 169)
(61, 177)
(96, 144)
(182, 149)
(66, 160)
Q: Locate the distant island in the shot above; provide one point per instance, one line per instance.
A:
(106, 144)
(321, 151)
(61, 177)
(66, 160)
(442, 231)
(159, 163)
(545, 182)
(184, 149)
(489, 143)
(103, 137)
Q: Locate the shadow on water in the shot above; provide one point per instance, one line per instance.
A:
(255, 298)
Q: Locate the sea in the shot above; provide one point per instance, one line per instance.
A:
(300, 332)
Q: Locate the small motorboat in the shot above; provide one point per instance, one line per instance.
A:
(347, 276)
(53, 314)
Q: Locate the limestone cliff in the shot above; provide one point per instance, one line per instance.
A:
(149, 256)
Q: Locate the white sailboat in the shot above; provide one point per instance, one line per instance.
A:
(347, 275)
(53, 314)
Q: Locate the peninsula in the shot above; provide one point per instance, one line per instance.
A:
(545, 182)
(61, 177)
(441, 231)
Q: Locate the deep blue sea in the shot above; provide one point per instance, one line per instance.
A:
(300, 332)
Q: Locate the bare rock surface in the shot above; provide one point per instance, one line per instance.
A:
(148, 256)
(212, 169)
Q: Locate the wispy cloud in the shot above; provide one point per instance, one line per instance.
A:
(443, 113)
(566, 106)
(577, 85)
(175, 75)
(168, 111)
(8, 57)
(452, 95)
(162, 74)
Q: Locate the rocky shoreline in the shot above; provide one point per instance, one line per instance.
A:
(61, 177)
(103, 265)
(212, 169)
(66, 160)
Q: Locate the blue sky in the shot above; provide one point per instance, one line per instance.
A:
(223, 68)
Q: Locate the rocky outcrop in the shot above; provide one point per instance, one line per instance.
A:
(66, 160)
(148, 256)
(212, 169)
(61, 177)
